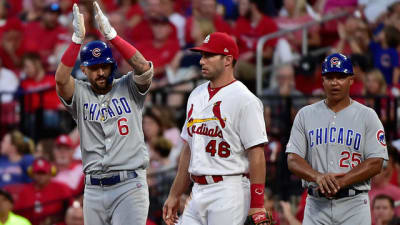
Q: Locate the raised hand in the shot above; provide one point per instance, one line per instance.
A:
(104, 25)
(79, 25)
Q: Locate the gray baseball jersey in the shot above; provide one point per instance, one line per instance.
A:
(110, 126)
(337, 142)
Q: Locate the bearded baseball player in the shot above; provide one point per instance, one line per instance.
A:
(108, 113)
(224, 135)
(336, 146)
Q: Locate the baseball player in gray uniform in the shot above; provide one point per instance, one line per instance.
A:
(108, 113)
(336, 146)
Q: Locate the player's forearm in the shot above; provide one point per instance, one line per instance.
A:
(182, 179)
(257, 165)
(63, 74)
(301, 168)
(131, 55)
(362, 172)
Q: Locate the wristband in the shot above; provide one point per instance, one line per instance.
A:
(71, 54)
(126, 49)
(257, 195)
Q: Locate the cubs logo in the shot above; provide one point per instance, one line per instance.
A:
(96, 52)
(207, 39)
(380, 136)
(335, 61)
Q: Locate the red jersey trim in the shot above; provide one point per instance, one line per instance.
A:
(213, 91)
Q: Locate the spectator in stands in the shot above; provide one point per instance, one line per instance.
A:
(69, 171)
(11, 47)
(39, 95)
(74, 213)
(42, 36)
(15, 158)
(380, 184)
(288, 215)
(374, 91)
(206, 9)
(44, 201)
(250, 26)
(176, 19)
(4, 6)
(278, 112)
(33, 11)
(161, 49)
(185, 64)
(353, 37)
(161, 175)
(152, 129)
(293, 15)
(385, 56)
(44, 149)
(7, 217)
(383, 211)
(141, 31)
(9, 83)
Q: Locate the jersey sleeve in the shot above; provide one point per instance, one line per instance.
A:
(72, 107)
(252, 125)
(375, 143)
(184, 133)
(297, 141)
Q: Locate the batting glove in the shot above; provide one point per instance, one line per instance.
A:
(104, 25)
(79, 26)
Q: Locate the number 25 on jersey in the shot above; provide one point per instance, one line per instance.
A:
(222, 149)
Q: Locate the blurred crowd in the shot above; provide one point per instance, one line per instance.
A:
(41, 175)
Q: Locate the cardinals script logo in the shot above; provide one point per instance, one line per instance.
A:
(192, 127)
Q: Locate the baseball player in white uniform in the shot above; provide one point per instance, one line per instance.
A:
(224, 136)
(108, 113)
(336, 146)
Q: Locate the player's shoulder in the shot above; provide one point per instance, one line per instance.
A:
(312, 108)
(362, 109)
(241, 93)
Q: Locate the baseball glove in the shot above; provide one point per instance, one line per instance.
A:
(260, 218)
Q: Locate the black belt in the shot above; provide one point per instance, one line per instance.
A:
(342, 193)
(115, 179)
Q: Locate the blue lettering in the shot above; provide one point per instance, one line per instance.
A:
(357, 141)
(319, 136)
(331, 138)
(98, 114)
(85, 108)
(110, 112)
(117, 107)
(125, 105)
(104, 113)
(349, 138)
(310, 133)
(340, 136)
(92, 110)
(326, 135)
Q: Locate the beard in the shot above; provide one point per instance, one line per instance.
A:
(100, 84)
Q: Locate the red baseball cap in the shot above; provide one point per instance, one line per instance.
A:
(41, 165)
(64, 140)
(219, 43)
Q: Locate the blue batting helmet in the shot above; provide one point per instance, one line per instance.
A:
(337, 63)
(98, 52)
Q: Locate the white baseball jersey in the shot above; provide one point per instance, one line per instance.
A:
(337, 142)
(220, 129)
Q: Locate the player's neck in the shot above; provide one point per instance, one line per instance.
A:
(336, 106)
(223, 80)
(102, 92)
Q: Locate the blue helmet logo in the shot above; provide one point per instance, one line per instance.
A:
(337, 63)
